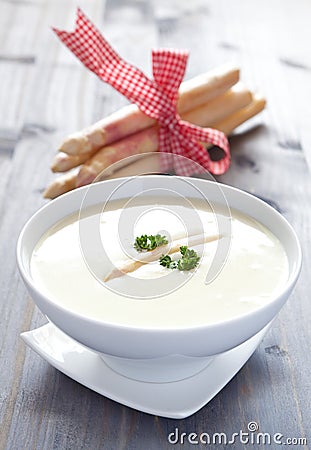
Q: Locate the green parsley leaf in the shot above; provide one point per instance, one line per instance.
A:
(147, 243)
(166, 261)
(183, 249)
(189, 260)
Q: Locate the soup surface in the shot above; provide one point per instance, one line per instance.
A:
(71, 260)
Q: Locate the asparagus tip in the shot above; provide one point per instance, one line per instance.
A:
(75, 144)
(85, 176)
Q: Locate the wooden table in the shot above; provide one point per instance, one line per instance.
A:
(45, 94)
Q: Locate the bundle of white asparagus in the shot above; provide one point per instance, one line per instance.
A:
(214, 99)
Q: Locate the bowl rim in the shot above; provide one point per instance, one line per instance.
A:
(288, 286)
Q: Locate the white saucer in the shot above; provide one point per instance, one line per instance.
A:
(176, 400)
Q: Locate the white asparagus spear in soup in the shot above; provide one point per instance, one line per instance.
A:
(130, 119)
(147, 140)
(153, 255)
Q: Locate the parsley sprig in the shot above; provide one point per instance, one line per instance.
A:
(149, 242)
(166, 261)
(189, 260)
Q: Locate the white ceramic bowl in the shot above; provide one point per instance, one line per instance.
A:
(133, 342)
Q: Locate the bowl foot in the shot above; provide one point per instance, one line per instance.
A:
(158, 370)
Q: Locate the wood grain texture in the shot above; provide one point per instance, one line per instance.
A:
(45, 94)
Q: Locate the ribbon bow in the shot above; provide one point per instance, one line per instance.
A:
(156, 98)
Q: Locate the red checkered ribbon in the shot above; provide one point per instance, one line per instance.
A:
(157, 98)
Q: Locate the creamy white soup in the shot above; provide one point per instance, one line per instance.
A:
(256, 265)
